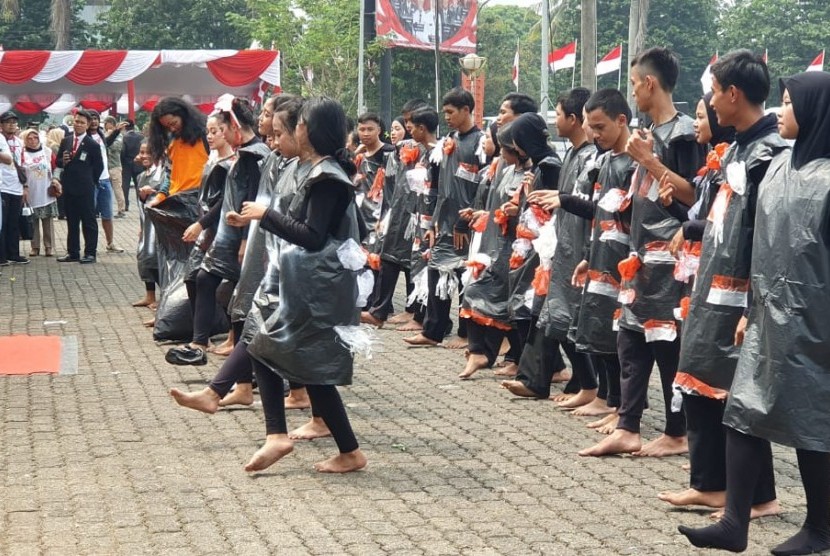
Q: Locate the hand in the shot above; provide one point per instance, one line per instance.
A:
(122, 126)
(479, 214)
(460, 240)
(192, 232)
(466, 214)
(740, 330)
(665, 190)
(429, 237)
(676, 243)
(236, 220)
(155, 201)
(253, 211)
(547, 199)
(241, 253)
(510, 209)
(580, 274)
(145, 192)
(640, 146)
(67, 156)
(25, 196)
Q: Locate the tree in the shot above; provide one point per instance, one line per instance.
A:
(41, 25)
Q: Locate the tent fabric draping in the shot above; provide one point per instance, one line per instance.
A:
(57, 81)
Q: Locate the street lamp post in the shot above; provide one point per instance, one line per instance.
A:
(471, 65)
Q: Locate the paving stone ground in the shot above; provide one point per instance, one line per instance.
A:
(105, 463)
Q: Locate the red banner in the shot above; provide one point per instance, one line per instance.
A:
(411, 23)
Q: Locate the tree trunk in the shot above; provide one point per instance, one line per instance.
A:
(588, 34)
(61, 23)
(637, 19)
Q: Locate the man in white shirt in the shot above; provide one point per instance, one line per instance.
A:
(14, 193)
(103, 195)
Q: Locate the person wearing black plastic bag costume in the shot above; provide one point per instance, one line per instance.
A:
(370, 160)
(146, 255)
(460, 155)
(318, 292)
(276, 188)
(222, 259)
(708, 353)
(398, 226)
(667, 153)
(781, 389)
(553, 275)
(486, 287)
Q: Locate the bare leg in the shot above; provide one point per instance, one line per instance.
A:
(206, 400)
(316, 428)
(342, 463)
(621, 442)
(275, 448)
(107, 225)
(243, 394)
(663, 446)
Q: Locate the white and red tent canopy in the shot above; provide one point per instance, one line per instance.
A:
(32, 81)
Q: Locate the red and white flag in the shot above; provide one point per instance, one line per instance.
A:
(706, 78)
(817, 64)
(563, 58)
(259, 93)
(611, 61)
(516, 69)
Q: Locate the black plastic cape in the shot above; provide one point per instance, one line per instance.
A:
(399, 223)
(147, 258)
(318, 293)
(210, 193)
(781, 389)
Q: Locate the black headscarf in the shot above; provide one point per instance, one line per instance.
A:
(530, 133)
(810, 95)
(494, 135)
(720, 134)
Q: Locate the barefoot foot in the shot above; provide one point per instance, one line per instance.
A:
(596, 408)
(243, 394)
(456, 343)
(342, 463)
(611, 417)
(275, 448)
(664, 446)
(149, 323)
(206, 401)
(693, 497)
(508, 370)
(316, 428)
(517, 388)
(144, 302)
(410, 326)
(583, 397)
(297, 398)
(561, 397)
(562, 376)
(401, 318)
(759, 510)
(475, 362)
(420, 340)
(368, 318)
(620, 442)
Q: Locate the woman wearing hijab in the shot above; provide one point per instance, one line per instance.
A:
(781, 389)
(37, 161)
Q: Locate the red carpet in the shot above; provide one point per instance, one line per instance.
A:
(28, 355)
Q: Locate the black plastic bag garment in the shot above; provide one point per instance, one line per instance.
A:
(562, 301)
(266, 298)
(708, 354)
(781, 389)
(211, 192)
(222, 258)
(400, 223)
(317, 294)
(369, 192)
(255, 260)
(599, 308)
(170, 218)
(486, 293)
(147, 258)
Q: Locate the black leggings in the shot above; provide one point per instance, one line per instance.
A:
(608, 371)
(325, 399)
(386, 281)
(202, 296)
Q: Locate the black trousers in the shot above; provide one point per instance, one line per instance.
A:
(541, 359)
(80, 217)
(637, 358)
(324, 398)
(484, 340)
(386, 281)
(129, 179)
(204, 305)
(607, 367)
(437, 322)
(10, 232)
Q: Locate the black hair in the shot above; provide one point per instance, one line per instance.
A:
(326, 125)
(130, 124)
(244, 112)
(290, 108)
(193, 125)
(520, 103)
(372, 117)
(459, 98)
(494, 137)
(412, 105)
(84, 114)
(505, 136)
(278, 101)
(93, 113)
(573, 101)
(661, 63)
(746, 71)
(611, 102)
(425, 116)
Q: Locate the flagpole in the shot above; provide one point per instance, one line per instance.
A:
(543, 101)
(619, 70)
(360, 58)
(573, 73)
(517, 65)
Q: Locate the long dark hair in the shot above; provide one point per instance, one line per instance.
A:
(327, 126)
(193, 125)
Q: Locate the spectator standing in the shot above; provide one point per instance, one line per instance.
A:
(115, 145)
(38, 162)
(14, 193)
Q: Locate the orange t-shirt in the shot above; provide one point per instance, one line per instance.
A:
(186, 165)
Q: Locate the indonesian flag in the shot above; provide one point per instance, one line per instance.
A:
(706, 78)
(259, 93)
(563, 58)
(817, 64)
(611, 61)
(516, 70)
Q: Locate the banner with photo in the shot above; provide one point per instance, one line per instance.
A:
(411, 23)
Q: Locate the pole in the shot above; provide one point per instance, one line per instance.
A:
(361, 63)
(386, 87)
(517, 65)
(573, 73)
(437, 37)
(588, 32)
(131, 100)
(619, 71)
(543, 100)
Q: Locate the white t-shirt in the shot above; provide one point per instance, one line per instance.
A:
(8, 173)
(105, 175)
(38, 168)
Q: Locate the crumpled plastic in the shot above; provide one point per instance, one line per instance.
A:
(358, 339)
(660, 331)
(612, 200)
(521, 247)
(628, 268)
(500, 218)
(416, 179)
(477, 264)
(447, 285)
(351, 255)
(688, 261)
(420, 288)
(479, 223)
(365, 285)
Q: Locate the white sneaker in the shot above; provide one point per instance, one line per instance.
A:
(112, 248)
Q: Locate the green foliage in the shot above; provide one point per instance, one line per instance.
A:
(169, 24)
(29, 28)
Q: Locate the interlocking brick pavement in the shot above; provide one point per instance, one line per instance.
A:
(105, 463)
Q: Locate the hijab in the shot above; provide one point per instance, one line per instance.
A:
(406, 134)
(720, 134)
(810, 95)
(530, 133)
(494, 135)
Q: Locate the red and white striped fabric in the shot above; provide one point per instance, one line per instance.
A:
(56, 81)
